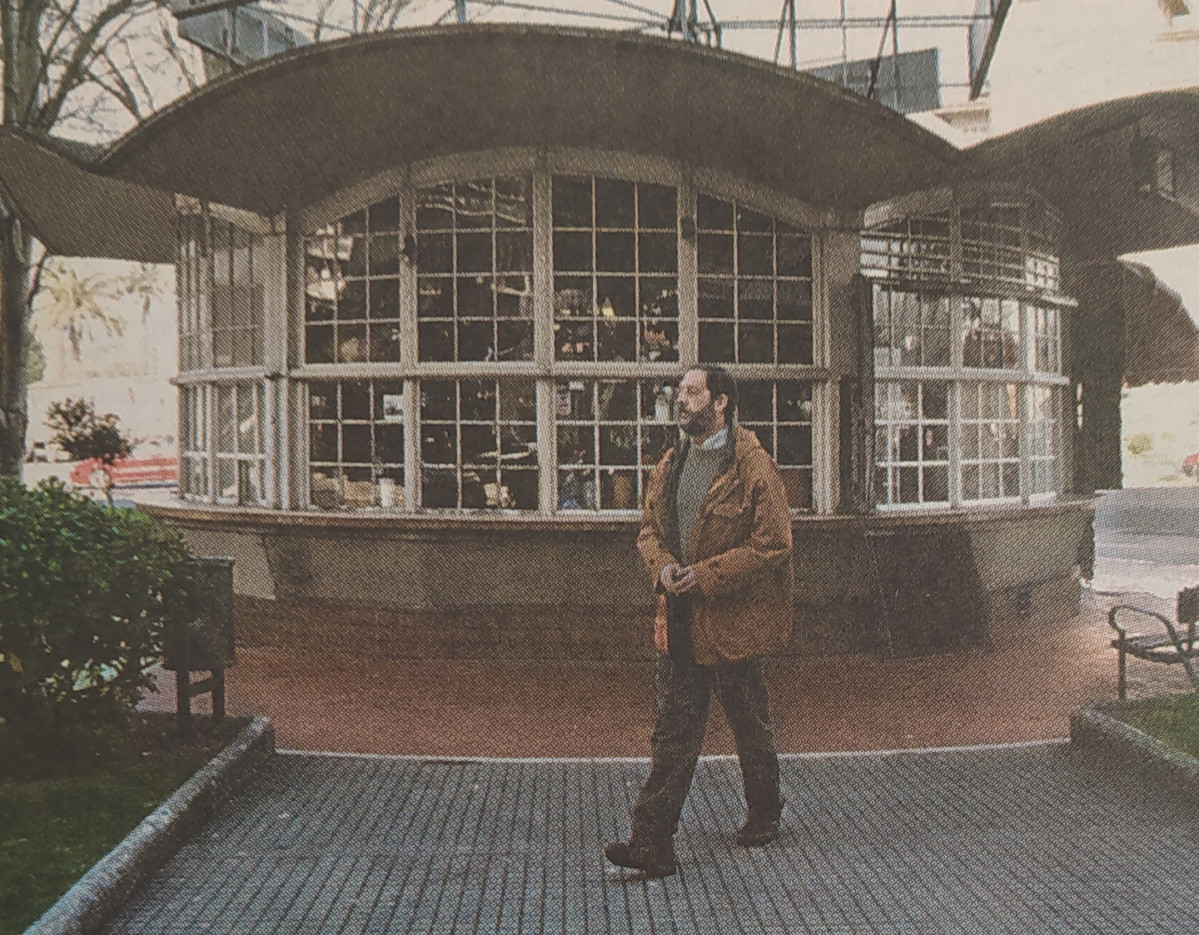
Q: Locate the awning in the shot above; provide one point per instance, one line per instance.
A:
(75, 212)
(1161, 342)
(1125, 172)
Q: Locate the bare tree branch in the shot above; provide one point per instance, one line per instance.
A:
(85, 47)
(321, 15)
(175, 53)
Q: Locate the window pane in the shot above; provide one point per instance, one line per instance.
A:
(614, 205)
(610, 433)
(631, 271)
(572, 202)
(480, 231)
(741, 283)
(488, 459)
(912, 447)
(657, 206)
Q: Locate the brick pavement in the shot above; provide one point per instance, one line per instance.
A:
(1028, 839)
(1020, 687)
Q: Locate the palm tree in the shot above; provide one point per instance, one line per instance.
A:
(147, 282)
(74, 305)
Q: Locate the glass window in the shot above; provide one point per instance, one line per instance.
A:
(478, 444)
(615, 263)
(352, 288)
(999, 313)
(191, 299)
(780, 413)
(193, 443)
(910, 329)
(1011, 243)
(755, 286)
(239, 444)
(912, 442)
(356, 444)
(613, 252)
(912, 247)
(1044, 440)
(990, 441)
(221, 294)
(475, 262)
(610, 434)
(1046, 334)
(991, 333)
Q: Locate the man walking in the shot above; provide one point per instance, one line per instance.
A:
(716, 538)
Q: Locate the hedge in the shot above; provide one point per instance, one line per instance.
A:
(86, 592)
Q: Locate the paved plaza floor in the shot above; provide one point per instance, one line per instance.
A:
(475, 797)
(1022, 839)
(1021, 686)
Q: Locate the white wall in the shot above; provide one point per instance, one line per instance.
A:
(128, 374)
(1056, 55)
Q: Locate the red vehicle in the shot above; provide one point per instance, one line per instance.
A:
(161, 471)
(1190, 464)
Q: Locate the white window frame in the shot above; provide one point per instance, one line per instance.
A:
(541, 166)
(202, 393)
(1037, 291)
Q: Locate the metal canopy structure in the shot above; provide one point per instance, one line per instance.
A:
(813, 33)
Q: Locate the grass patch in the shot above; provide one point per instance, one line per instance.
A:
(62, 810)
(1174, 721)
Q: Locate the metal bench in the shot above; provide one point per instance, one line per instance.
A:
(1168, 647)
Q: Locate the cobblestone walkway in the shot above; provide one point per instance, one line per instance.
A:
(1027, 839)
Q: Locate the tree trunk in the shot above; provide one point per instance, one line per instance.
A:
(15, 247)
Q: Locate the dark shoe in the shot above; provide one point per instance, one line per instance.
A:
(760, 828)
(654, 862)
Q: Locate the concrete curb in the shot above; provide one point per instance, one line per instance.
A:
(1097, 730)
(101, 891)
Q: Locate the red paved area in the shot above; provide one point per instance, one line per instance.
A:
(1023, 688)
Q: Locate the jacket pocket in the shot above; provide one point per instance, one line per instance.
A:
(726, 524)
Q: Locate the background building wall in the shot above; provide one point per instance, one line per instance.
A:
(127, 372)
(1055, 55)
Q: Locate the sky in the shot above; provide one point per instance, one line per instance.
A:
(749, 26)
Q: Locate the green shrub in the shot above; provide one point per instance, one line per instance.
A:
(85, 594)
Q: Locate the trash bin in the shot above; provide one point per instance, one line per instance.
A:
(205, 642)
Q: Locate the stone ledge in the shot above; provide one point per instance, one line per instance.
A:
(101, 891)
(1097, 730)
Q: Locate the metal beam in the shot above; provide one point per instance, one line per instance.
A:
(213, 6)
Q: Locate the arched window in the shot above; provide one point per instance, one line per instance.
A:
(513, 341)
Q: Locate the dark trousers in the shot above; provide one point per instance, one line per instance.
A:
(684, 690)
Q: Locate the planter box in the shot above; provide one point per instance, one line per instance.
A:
(1101, 730)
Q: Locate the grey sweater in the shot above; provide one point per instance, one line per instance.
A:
(699, 470)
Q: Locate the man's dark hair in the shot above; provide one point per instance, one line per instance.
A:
(719, 381)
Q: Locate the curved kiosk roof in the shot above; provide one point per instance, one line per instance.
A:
(293, 129)
(305, 124)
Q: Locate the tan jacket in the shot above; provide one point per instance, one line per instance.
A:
(742, 548)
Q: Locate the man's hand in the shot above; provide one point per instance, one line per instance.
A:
(677, 579)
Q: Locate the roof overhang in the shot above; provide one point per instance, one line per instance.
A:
(75, 212)
(294, 129)
(1161, 342)
(1097, 165)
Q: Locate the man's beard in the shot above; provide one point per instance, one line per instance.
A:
(700, 422)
